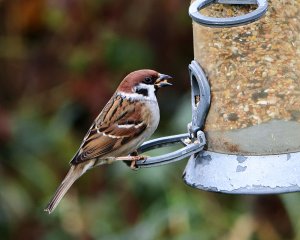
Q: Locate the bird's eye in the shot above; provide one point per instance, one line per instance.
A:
(149, 80)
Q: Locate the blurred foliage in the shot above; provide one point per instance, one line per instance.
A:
(60, 62)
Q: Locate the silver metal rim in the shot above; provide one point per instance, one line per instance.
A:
(242, 174)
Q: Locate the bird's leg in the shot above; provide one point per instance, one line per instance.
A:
(131, 158)
(133, 162)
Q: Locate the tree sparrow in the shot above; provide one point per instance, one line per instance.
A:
(128, 119)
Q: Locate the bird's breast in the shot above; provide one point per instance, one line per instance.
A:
(150, 115)
(153, 116)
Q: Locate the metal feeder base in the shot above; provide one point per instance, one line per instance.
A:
(236, 174)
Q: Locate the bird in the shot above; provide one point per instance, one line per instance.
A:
(129, 118)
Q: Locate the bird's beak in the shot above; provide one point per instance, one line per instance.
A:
(162, 81)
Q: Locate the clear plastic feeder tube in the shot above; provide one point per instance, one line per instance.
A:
(254, 74)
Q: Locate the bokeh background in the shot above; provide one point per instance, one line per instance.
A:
(60, 61)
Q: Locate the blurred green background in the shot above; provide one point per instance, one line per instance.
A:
(60, 61)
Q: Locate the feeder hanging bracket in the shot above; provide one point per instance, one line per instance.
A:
(197, 5)
(193, 141)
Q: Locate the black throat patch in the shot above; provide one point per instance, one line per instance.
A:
(142, 91)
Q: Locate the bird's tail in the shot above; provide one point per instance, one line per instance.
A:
(74, 173)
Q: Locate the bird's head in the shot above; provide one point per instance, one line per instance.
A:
(144, 82)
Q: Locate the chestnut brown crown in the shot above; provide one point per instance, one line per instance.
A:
(144, 76)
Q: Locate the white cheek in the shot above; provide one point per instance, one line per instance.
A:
(135, 96)
(151, 92)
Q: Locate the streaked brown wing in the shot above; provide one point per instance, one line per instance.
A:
(118, 123)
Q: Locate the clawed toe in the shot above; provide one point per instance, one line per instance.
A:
(133, 165)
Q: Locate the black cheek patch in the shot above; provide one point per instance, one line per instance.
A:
(142, 91)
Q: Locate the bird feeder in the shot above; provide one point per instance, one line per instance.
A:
(253, 68)
(244, 137)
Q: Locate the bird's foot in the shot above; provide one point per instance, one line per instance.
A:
(136, 158)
